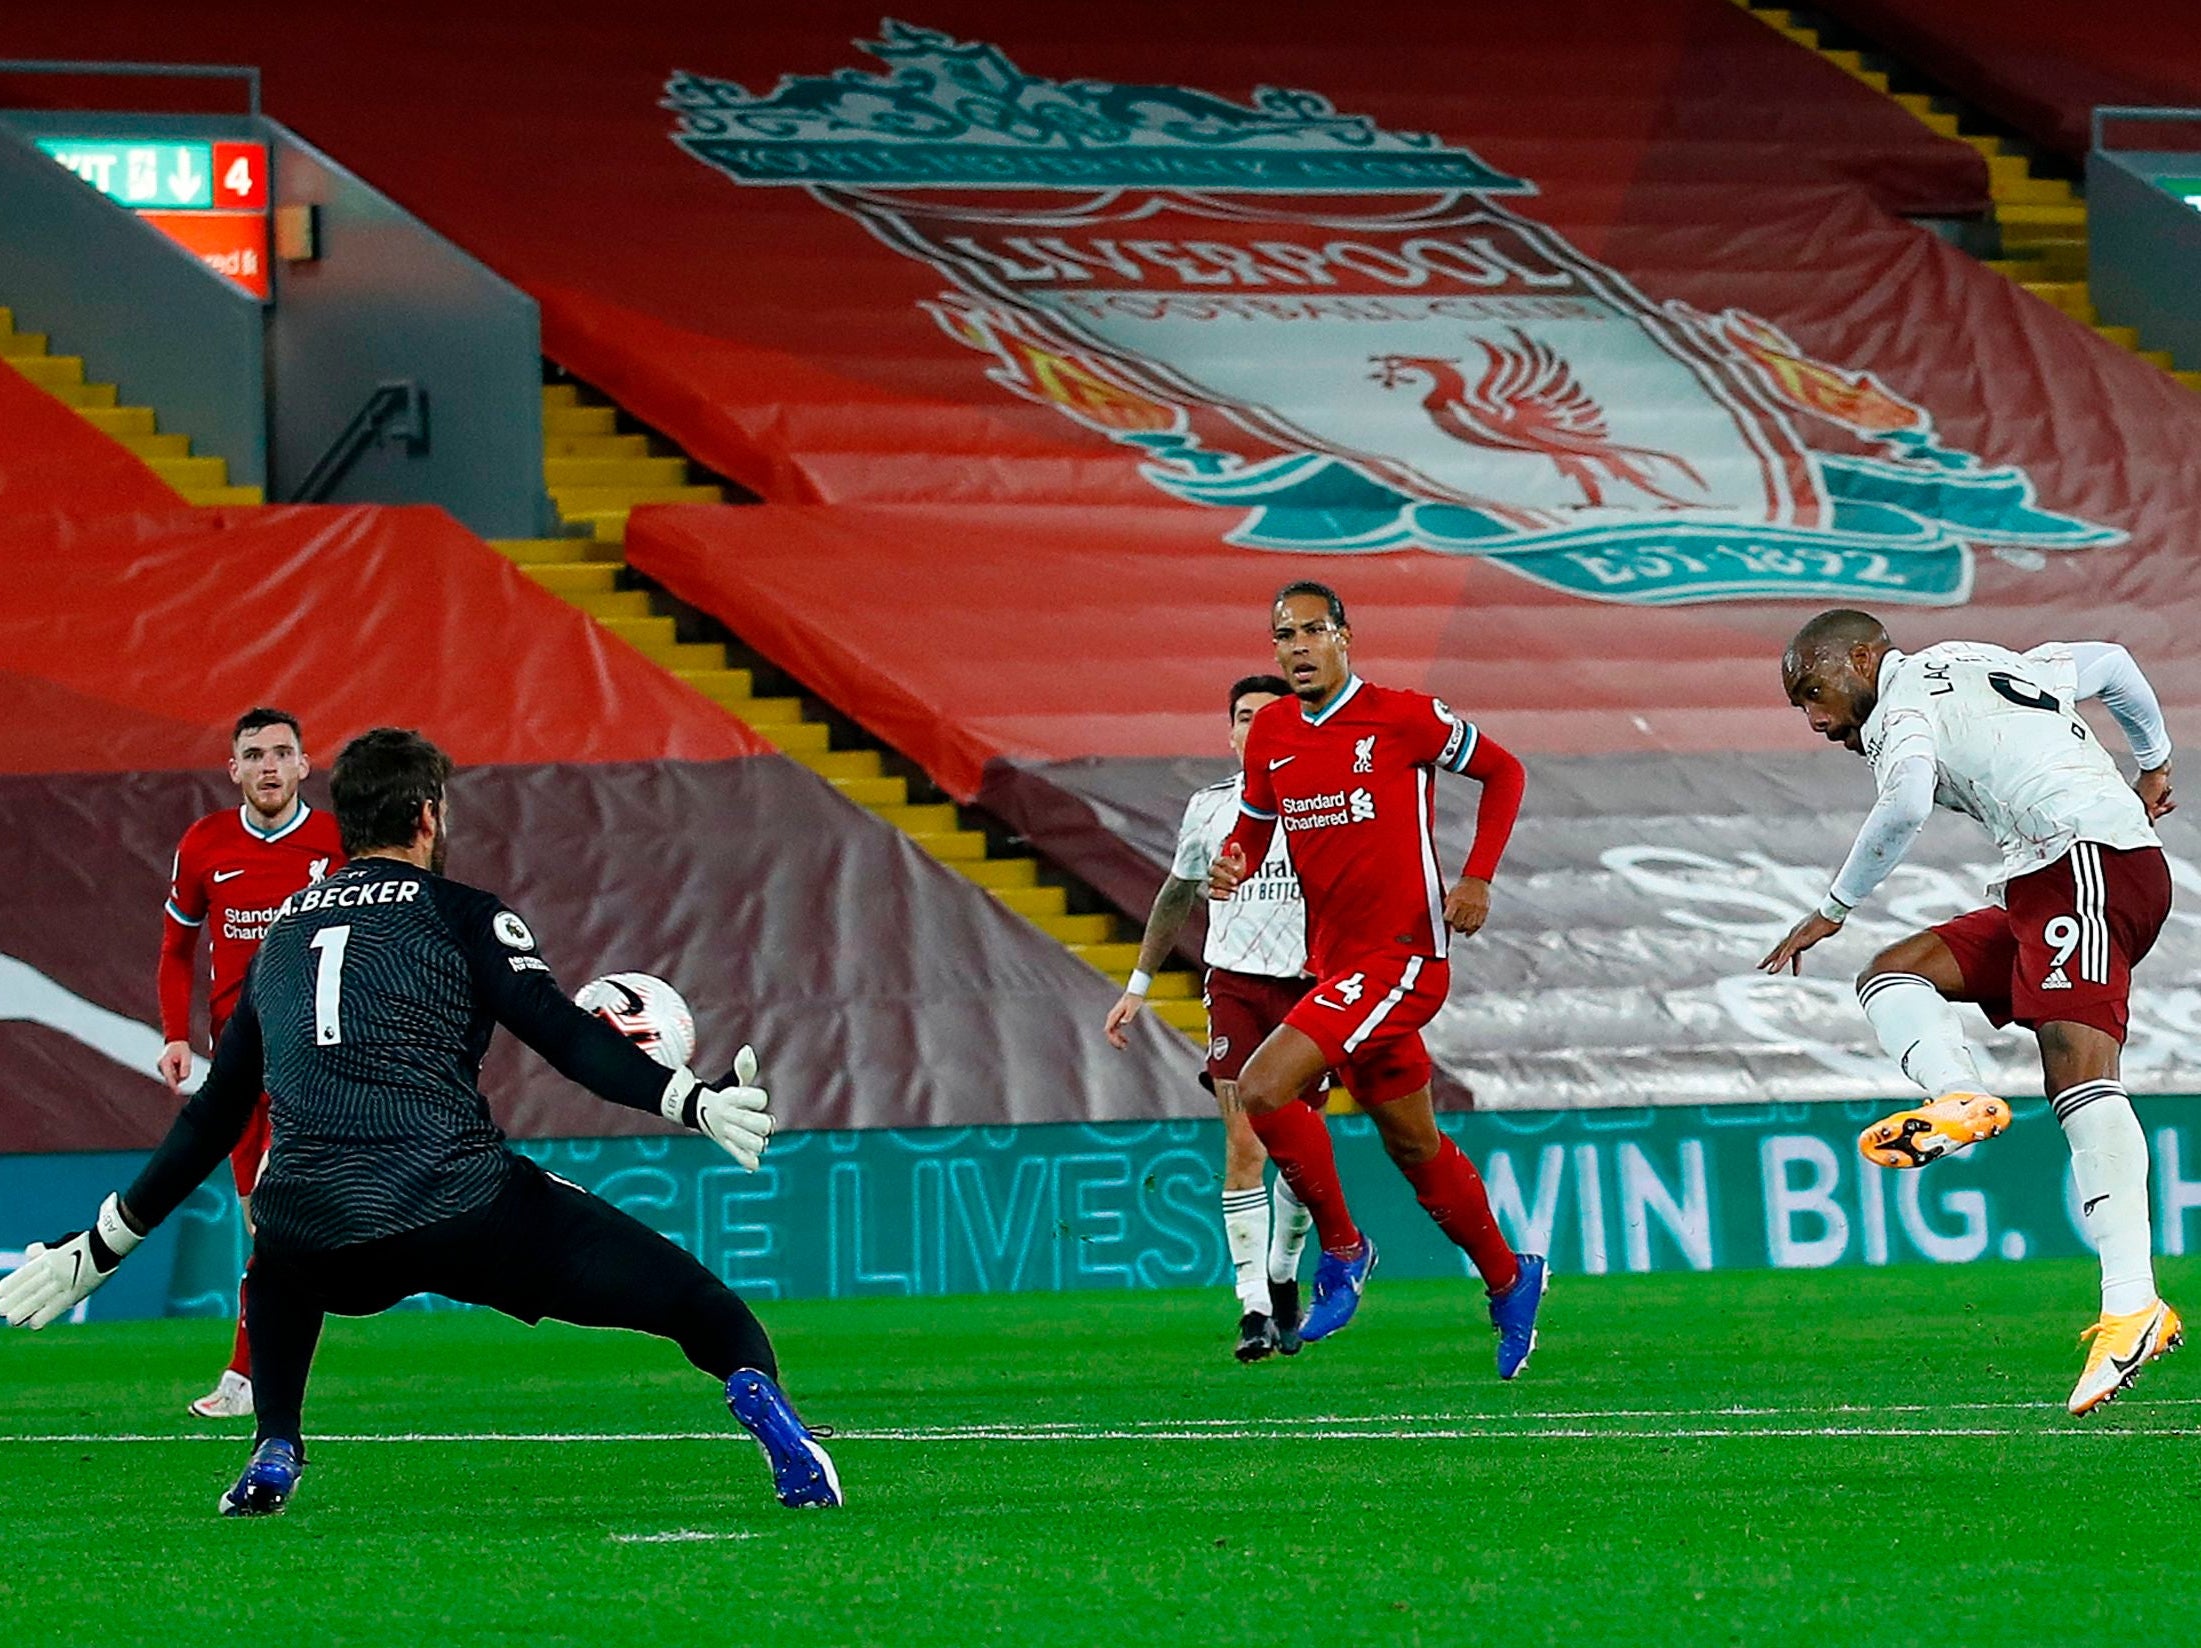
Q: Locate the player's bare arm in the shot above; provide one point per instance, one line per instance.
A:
(1173, 907)
(2153, 788)
(1788, 955)
(1467, 906)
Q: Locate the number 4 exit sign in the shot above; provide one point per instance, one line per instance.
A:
(2187, 189)
(209, 197)
(168, 177)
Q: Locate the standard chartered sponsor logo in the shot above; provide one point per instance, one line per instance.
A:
(1320, 812)
(251, 925)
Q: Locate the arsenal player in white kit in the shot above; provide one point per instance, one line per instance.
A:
(2083, 892)
(1349, 770)
(232, 872)
(1256, 957)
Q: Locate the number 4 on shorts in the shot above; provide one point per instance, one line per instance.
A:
(1352, 987)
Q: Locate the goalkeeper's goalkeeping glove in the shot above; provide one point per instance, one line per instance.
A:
(56, 1277)
(732, 1112)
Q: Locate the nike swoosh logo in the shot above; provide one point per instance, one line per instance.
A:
(1284, 761)
(2139, 1354)
(2093, 1203)
(221, 876)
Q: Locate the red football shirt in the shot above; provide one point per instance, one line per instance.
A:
(1353, 787)
(229, 878)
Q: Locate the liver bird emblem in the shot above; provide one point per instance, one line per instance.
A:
(1528, 400)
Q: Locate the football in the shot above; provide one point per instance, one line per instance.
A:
(646, 1010)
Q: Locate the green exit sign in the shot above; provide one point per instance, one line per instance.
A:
(2187, 189)
(157, 176)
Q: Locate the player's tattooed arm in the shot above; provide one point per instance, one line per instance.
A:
(1173, 907)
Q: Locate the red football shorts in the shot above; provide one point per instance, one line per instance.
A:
(1368, 1023)
(1242, 1009)
(2063, 946)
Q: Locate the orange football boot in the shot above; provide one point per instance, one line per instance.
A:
(1912, 1138)
(2123, 1345)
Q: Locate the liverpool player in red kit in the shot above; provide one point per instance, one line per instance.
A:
(233, 869)
(1348, 769)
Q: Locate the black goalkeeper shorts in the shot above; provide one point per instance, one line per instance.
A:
(542, 1248)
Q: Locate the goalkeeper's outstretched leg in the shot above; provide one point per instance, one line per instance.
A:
(543, 1248)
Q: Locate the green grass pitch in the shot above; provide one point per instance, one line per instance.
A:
(1832, 1457)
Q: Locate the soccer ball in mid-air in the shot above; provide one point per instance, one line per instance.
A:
(647, 1011)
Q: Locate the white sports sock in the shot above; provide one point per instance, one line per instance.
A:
(1246, 1229)
(1288, 1233)
(1919, 1031)
(2109, 1164)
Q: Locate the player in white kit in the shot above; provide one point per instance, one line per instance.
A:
(2083, 892)
(1257, 958)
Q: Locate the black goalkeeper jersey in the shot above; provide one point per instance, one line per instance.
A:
(365, 1018)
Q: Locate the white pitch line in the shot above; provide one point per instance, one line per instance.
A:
(1340, 1426)
(1500, 1432)
(678, 1536)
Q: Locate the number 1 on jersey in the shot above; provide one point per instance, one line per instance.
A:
(328, 985)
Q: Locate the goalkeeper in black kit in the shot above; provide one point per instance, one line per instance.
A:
(365, 1017)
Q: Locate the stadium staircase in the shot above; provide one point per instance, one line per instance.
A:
(2040, 220)
(198, 480)
(597, 473)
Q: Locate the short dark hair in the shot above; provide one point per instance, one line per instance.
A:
(381, 781)
(1838, 630)
(1307, 586)
(1274, 685)
(262, 716)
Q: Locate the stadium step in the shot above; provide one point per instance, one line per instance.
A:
(596, 474)
(195, 479)
(2041, 220)
(574, 579)
(613, 471)
(158, 446)
(578, 420)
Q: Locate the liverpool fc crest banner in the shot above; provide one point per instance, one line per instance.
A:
(1345, 340)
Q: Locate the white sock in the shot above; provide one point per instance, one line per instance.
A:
(1246, 1229)
(1288, 1234)
(2109, 1163)
(1919, 1031)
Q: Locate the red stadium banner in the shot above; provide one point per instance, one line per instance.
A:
(349, 616)
(52, 459)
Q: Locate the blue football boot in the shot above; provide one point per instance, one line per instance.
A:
(1337, 1286)
(802, 1472)
(1513, 1314)
(268, 1482)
